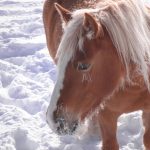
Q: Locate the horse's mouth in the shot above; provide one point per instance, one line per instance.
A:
(64, 127)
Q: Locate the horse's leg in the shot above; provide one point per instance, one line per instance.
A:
(146, 123)
(108, 126)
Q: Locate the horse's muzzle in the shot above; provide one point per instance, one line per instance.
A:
(64, 127)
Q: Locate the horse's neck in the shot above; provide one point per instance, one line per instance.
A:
(135, 78)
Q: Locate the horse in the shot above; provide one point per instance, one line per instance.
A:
(103, 62)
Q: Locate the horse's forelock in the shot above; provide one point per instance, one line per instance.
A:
(66, 50)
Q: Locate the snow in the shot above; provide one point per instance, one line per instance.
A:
(27, 77)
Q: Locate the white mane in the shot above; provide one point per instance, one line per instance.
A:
(127, 24)
(128, 27)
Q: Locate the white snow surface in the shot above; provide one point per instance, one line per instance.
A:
(27, 78)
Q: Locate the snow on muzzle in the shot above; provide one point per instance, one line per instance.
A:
(62, 125)
(65, 126)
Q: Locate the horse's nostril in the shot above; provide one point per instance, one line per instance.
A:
(61, 123)
(74, 127)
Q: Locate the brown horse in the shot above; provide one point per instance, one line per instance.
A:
(103, 65)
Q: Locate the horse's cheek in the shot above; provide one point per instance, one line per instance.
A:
(107, 80)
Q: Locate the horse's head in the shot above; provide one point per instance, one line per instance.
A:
(89, 70)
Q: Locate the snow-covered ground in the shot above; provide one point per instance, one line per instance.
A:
(27, 76)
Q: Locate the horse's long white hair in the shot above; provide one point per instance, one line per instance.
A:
(127, 22)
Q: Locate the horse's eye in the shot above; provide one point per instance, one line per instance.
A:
(83, 67)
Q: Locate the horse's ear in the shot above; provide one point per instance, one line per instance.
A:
(92, 27)
(64, 13)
